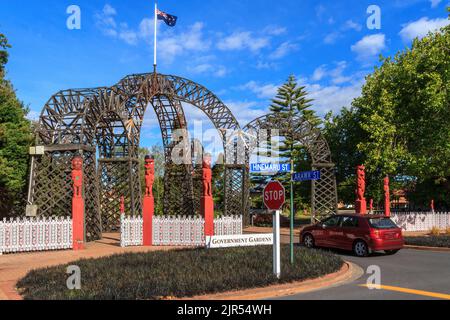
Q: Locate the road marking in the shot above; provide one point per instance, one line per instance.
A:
(410, 291)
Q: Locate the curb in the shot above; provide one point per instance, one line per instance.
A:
(346, 273)
(423, 248)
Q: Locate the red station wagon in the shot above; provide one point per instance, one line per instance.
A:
(361, 234)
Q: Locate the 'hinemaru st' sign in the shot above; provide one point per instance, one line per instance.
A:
(270, 167)
(245, 240)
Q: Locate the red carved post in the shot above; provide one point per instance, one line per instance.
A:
(387, 198)
(77, 204)
(371, 205)
(432, 205)
(122, 205)
(207, 202)
(361, 204)
(148, 208)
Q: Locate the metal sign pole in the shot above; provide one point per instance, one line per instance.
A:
(276, 245)
(292, 214)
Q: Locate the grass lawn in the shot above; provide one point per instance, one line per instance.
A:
(429, 241)
(180, 273)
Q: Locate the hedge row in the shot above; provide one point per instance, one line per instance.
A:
(429, 241)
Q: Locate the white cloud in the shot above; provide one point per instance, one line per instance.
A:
(421, 27)
(172, 44)
(246, 111)
(275, 30)
(106, 22)
(351, 25)
(283, 50)
(370, 46)
(332, 37)
(319, 73)
(336, 74)
(332, 98)
(243, 40)
(435, 3)
(266, 91)
(208, 68)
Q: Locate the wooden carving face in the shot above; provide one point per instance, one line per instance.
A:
(77, 163)
(207, 162)
(360, 172)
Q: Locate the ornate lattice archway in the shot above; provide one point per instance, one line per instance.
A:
(78, 121)
(104, 125)
(312, 139)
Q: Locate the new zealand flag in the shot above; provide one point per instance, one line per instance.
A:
(170, 20)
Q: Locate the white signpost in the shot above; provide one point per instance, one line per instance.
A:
(274, 198)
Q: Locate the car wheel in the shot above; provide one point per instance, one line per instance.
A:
(361, 249)
(391, 252)
(308, 241)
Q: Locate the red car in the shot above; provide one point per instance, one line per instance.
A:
(361, 234)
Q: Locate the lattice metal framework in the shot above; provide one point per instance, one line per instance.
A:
(324, 191)
(78, 121)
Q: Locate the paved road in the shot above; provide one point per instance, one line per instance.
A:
(409, 269)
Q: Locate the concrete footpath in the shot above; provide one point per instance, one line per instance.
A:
(13, 267)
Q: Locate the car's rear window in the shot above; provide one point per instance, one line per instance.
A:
(382, 223)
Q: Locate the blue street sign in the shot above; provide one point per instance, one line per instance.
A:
(306, 176)
(270, 167)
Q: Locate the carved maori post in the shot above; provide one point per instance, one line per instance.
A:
(371, 205)
(361, 204)
(432, 206)
(77, 204)
(149, 201)
(207, 202)
(387, 198)
(122, 205)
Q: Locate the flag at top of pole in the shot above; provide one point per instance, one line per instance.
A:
(169, 19)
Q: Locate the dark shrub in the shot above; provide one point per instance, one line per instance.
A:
(180, 273)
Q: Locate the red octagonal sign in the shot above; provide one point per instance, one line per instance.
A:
(274, 195)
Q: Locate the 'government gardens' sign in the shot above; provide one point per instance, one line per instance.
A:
(245, 240)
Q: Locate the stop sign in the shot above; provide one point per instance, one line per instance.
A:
(274, 195)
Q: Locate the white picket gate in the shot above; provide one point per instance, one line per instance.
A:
(175, 230)
(35, 234)
(421, 221)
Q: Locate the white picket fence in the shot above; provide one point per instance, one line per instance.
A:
(175, 230)
(421, 221)
(35, 234)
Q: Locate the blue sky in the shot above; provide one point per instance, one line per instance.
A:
(240, 49)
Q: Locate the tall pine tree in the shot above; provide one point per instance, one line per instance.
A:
(292, 101)
(15, 139)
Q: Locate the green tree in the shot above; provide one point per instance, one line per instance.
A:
(15, 139)
(400, 125)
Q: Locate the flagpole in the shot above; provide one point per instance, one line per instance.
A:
(156, 29)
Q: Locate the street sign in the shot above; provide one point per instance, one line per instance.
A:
(274, 195)
(306, 176)
(246, 240)
(270, 167)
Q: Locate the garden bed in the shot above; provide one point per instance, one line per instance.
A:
(429, 241)
(180, 273)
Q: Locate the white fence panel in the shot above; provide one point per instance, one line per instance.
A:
(35, 234)
(131, 231)
(176, 230)
(421, 221)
